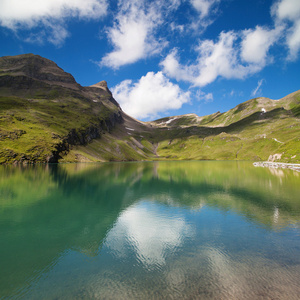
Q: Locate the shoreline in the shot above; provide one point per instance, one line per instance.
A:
(276, 165)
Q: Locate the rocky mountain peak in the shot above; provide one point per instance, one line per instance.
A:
(36, 67)
(102, 85)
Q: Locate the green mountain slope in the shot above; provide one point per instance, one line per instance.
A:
(44, 113)
(253, 130)
(45, 116)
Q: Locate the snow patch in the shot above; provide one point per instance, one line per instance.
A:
(169, 121)
(129, 128)
(263, 110)
(277, 141)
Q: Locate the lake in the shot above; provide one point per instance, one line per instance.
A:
(151, 230)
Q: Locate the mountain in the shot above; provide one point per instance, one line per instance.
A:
(46, 116)
(258, 129)
(44, 113)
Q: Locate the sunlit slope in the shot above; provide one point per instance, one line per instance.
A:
(253, 130)
(46, 116)
(290, 103)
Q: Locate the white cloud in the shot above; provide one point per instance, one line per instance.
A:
(27, 14)
(220, 59)
(36, 38)
(293, 40)
(175, 27)
(288, 12)
(202, 96)
(206, 10)
(288, 9)
(208, 97)
(132, 35)
(170, 4)
(236, 55)
(55, 34)
(203, 6)
(256, 44)
(173, 68)
(58, 34)
(258, 88)
(151, 95)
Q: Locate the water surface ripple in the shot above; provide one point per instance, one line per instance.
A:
(159, 230)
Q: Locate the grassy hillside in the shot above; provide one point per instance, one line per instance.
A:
(34, 128)
(45, 116)
(253, 130)
(44, 113)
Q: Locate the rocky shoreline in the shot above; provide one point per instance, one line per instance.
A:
(270, 164)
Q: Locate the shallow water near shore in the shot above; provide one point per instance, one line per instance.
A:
(151, 230)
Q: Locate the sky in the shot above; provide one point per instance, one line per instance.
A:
(164, 57)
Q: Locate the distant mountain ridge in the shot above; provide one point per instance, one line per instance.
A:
(262, 104)
(46, 116)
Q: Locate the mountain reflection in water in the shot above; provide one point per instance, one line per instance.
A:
(149, 230)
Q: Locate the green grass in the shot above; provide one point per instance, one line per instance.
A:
(45, 121)
(252, 138)
(36, 118)
(291, 151)
(32, 129)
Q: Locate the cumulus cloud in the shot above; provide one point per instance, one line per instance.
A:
(235, 55)
(218, 59)
(287, 9)
(27, 14)
(288, 12)
(151, 95)
(132, 35)
(214, 59)
(174, 69)
(257, 42)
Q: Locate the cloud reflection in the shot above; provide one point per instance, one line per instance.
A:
(151, 231)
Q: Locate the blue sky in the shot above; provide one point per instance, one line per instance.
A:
(164, 57)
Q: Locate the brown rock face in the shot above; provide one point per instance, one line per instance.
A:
(102, 85)
(275, 157)
(38, 68)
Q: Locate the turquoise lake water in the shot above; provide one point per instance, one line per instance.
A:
(153, 230)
